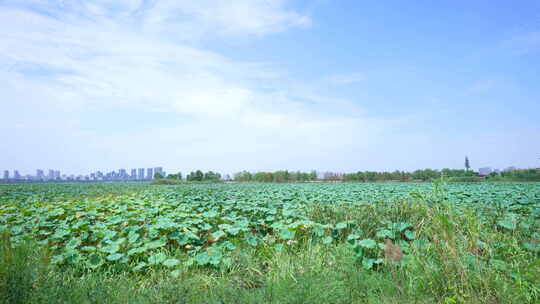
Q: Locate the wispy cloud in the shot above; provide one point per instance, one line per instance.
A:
(242, 17)
(101, 59)
(185, 18)
(64, 63)
(98, 84)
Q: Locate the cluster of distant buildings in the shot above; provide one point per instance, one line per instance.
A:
(140, 174)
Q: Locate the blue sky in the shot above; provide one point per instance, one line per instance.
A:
(268, 84)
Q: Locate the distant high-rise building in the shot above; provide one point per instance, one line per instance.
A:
(16, 174)
(149, 173)
(159, 170)
(50, 175)
(57, 174)
(122, 174)
(6, 174)
(133, 174)
(140, 175)
(40, 174)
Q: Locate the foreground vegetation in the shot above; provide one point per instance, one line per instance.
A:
(271, 243)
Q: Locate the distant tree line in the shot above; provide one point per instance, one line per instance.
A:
(194, 176)
(285, 176)
(175, 176)
(199, 176)
(281, 176)
(360, 176)
(516, 175)
(418, 175)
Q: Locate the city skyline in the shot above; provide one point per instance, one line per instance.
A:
(106, 175)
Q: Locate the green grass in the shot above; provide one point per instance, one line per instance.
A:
(465, 252)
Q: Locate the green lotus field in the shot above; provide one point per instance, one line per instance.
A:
(271, 243)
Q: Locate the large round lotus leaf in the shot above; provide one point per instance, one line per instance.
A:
(115, 257)
(171, 262)
(94, 260)
(367, 243)
(157, 258)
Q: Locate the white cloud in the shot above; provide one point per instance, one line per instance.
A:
(224, 16)
(187, 19)
(83, 59)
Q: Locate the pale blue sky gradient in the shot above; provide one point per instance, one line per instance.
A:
(268, 84)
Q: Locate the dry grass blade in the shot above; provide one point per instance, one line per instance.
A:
(392, 253)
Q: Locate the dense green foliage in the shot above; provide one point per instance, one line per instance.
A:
(199, 176)
(281, 176)
(418, 175)
(424, 175)
(176, 176)
(261, 243)
(360, 176)
(517, 175)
